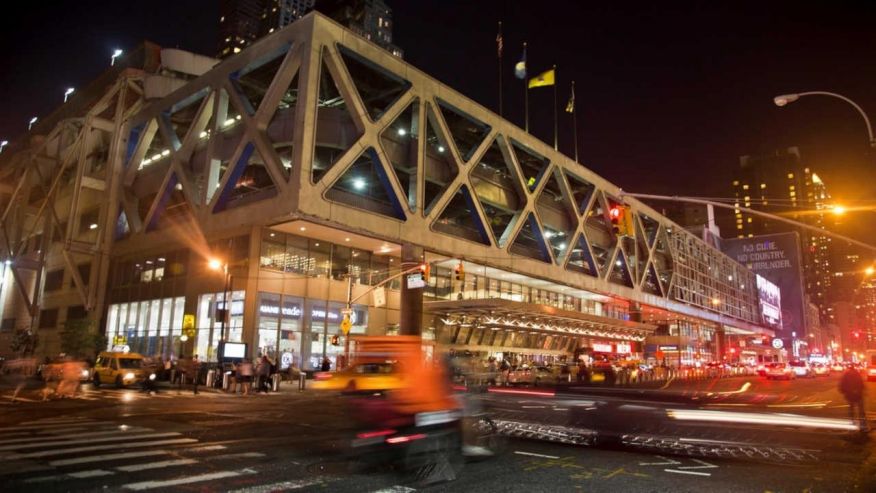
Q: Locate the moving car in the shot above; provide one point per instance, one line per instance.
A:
(54, 370)
(838, 367)
(801, 368)
(362, 375)
(871, 365)
(780, 370)
(531, 375)
(120, 369)
(821, 370)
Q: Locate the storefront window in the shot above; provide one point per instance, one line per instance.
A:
(340, 262)
(210, 308)
(273, 253)
(320, 251)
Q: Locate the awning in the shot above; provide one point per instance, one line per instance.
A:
(538, 318)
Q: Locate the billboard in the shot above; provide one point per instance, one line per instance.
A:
(777, 258)
(770, 299)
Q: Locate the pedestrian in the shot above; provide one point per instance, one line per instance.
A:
(181, 370)
(263, 370)
(851, 386)
(326, 364)
(196, 373)
(245, 373)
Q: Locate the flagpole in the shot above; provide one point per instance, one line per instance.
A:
(574, 122)
(555, 108)
(526, 97)
(500, 42)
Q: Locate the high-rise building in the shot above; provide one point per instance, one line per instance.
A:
(240, 24)
(780, 183)
(244, 21)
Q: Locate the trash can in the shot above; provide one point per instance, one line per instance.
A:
(275, 382)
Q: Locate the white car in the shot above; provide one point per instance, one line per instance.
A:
(821, 370)
(780, 370)
(801, 368)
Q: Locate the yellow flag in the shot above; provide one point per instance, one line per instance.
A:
(544, 79)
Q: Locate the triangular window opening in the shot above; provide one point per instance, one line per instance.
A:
(123, 227)
(581, 191)
(466, 131)
(249, 180)
(651, 282)
(335, 129)
(620, 273)
(530, 242)
(400, 142)
(558, 216)
(532, 165)
(377, 87)
(365, 185)
(159, 148)
(580, 259)
(498, 190)
(172, 209)
(460, 219)
(440, 167)
(281, 129)
(183, 114)
(252, 81)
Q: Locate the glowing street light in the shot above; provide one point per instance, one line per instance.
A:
(67, 93)
(3, 143)
(30, 123)
(785, 99)
(117, 53)
(869, 271)
(838, 210)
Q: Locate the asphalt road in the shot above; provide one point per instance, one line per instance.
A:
(123, 440)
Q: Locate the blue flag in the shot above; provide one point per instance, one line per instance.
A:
(520, 67)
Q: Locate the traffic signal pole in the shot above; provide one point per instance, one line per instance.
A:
(411, 307)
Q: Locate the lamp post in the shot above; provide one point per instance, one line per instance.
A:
(790, 98)
(218, 265)
(116, 53)
(67, 93)
(30, 123)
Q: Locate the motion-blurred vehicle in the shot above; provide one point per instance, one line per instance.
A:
(821, 370)
(837, 367)
(120, 369)
(531, 375)
(871, 365)
(368, 374)
(801, 368)
(54, 370)
(780, 370)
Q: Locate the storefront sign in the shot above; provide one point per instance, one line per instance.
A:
(669, 347)
(623, 348)
(289, 311)
(601, 347)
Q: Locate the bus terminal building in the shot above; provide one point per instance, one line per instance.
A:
(313, 160)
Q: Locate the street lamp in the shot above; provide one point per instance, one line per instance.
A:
(3, 143)
(67, 93)
(790, 98)
(30, 123)
(117, 53)
(216, 265)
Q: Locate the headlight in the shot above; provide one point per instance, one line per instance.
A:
(151, 376)
(129, 376)
(85, 373)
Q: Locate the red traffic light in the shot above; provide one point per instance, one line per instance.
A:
(856, 334)
(733, 350)
(615, 213)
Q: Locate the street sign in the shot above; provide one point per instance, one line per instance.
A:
(415, 281)
(778, 343)
(346, 324)
(120, 340)
(379, 296)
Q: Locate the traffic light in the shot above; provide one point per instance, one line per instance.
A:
(425, 271)
(459, 272)
(336, 340)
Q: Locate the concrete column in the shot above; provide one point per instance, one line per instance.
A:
(411, 316)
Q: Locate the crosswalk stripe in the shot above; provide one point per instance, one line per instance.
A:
(39, 438)
(64, 443)
(107, 457)
(19, 398)
(44, 427)
(49, 453)
(281, 486)
(90, 474)
(156, 465)
(67, 420)
(237, 456)
(149, 485)
(207, 448)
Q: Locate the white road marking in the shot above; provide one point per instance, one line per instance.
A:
(669, 462)
(235, 456)
(705, 465)
(64, 443)
(148, 485)
(20, 398)
(68, 420)
(156, 465)
(395, 489)
(49, 453)
(95, 434)
(533, 407)
(283, 486)
(207, 448)
(106, 457)
(520, 452)
(44, 427)
(693, 473)
(90, 474)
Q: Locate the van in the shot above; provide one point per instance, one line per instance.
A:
(120, 369)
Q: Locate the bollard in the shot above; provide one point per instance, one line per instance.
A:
(302, 378)
(225, 378)
(275, 382)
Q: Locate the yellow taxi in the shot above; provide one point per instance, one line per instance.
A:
(119, 369)
(374, 367)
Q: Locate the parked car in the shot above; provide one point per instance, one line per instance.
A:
(801, 368)
(780, 370)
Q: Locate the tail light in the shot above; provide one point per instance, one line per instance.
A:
(373, 434)
(322, 376)
(405, 438)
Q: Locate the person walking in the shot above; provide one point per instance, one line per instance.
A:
(851, 386)
(196, 373)
(245, 373)
(326, 364)
(263, 370)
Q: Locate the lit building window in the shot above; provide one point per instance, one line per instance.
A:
(735, 183)
(762, 186)
(745, 187)
(790, 176)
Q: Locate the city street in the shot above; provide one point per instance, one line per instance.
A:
(124, 440)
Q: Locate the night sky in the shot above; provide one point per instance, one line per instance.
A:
(669, 94)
